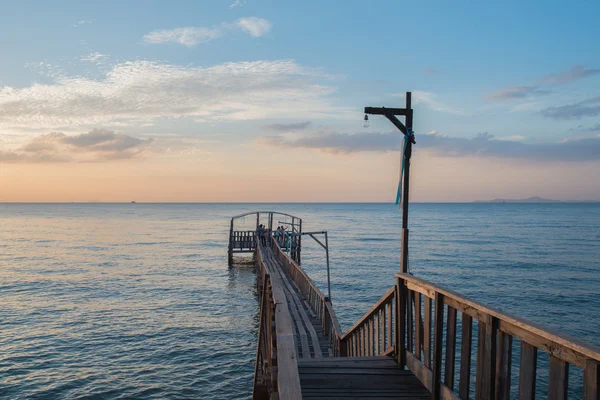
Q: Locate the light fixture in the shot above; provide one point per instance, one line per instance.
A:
(366, 124)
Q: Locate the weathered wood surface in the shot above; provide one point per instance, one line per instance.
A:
(358, 378)
(307, 355)
(494, 357)
(278, 370)
(309, 335)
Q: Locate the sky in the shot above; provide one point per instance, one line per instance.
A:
(252, 101)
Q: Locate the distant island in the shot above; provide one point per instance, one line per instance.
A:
(534, 199)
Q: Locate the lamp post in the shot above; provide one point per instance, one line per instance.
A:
(406, 129)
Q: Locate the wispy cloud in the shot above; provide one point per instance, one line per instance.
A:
(254, 26)
(482, 145)
(576, 72)
(94, 146)
(141, 91)
(297, 126)
(585, 108)
(94, 57)
(517, 92)
(237, 3)
(431, 101)
(541, 87)
(191, 36)
(81, 22)
(431, 71)
(187, 36)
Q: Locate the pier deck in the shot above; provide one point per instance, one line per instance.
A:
(309, 336)
(418, 341)
(322, 372)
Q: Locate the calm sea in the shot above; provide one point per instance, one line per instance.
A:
(137, 300)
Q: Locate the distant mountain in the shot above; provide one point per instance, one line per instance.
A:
(534, 199)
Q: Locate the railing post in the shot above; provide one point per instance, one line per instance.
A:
(400, 324)
(591, 380)
(485, 378)
(438, 332)
(230, 255)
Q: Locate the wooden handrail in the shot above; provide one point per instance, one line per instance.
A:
(318, 302)
(496, 330)
(384, 299)
(575, 351)
(275, 373)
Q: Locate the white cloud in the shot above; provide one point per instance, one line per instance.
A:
(81, 22)
(237, 3)
(528, 106)
(187, 36)
(254, 26)
(138, 92)
(94, 57)
(431, 101)
(96, 145)
(191, 36)
(513, 138)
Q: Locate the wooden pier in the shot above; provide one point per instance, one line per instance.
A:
(419, 341)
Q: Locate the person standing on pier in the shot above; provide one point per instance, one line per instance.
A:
(261, 234)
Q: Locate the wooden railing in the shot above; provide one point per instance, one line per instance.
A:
(318, 302)
(276, 371)
(427, 322)
(243, 240)
(373, 334)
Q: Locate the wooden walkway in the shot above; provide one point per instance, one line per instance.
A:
(418, 341)
(309, 336)
(321, 374)
(358, 378)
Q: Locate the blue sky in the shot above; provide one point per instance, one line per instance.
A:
(135, 80)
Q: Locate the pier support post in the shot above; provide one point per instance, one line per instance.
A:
(230, 248)
(407, 130)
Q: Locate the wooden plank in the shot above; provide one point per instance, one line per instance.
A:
(427, 292)
(386, 297)
(376, 321)
(390, 324)
(591, 380)
(568, 348)
(409, 320)
(450, 348)
(491, 333)
(288, 379)
(479, 369)
(465, 357)
(558, 379)
(503, 366)
(527, 371)
(400, 328)
(418, 334)
(301, 317)
(427, 332)
(438, 332)
(424, 374)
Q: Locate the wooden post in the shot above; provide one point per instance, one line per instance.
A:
(558, 379)
(327, 256)
(230, 255)
(465, 357)
(390, 114)
(406, 185)
(300, 246)
(438, 331)
(527, 371)
(400, 326)
(591, 380)
(450, 348)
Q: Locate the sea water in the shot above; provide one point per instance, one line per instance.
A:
(137, 300)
